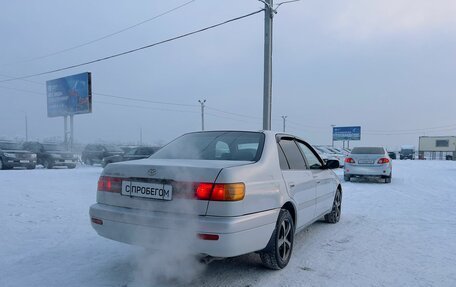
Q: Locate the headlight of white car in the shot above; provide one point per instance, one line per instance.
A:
(7, 154)
(33, 155)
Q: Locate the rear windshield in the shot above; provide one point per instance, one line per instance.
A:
(113, 148)
(9, 146)
(368, 150)
(237, 146)
(53, 147)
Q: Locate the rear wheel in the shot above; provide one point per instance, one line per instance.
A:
(334, 215)
(346, 177)
(31, 166)
(1, 164)
(71, 166)
(47, 164)
(277, 253)
(388, 179)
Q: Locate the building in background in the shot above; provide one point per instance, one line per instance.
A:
(441, 147)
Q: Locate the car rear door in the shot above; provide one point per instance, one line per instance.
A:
(298, 179)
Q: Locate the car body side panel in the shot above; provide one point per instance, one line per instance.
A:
(263, 183)
(302, 188)
(326, 190)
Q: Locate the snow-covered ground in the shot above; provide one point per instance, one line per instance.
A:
(398, 234)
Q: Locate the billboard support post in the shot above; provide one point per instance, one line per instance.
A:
(71, 132)
(65, 131)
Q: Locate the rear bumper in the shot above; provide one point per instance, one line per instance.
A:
(11, 163)
(64, 162)
(359, 170)
(237, 235)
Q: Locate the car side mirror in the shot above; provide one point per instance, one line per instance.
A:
(332, 164)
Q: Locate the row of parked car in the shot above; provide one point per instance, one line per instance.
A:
(30, 154)
(334, 153)
(106, 154)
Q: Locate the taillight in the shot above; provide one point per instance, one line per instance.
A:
(349, 160)
(110, 184)
(220, 191)
(203, 191)
(383, 160)
(205, 236)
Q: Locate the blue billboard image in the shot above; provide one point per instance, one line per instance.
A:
(69, 95)
(347, 133)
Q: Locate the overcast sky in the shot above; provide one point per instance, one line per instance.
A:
(388, 66)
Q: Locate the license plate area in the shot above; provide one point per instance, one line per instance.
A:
(24, 161)
(149, 190)
(365, 161)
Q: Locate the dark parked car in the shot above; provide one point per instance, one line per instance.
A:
(12, 155)
(392, 154)
(94, 153)
(50, 155)
(132, 154)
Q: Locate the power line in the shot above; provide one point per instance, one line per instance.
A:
(143, 107)
(25, 80)
(104, 37)
(137, 49)
(144, 100)
(234, 114)
(411, 130)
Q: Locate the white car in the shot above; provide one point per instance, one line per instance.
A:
(368, 162)
(226, 192)
(331, 154)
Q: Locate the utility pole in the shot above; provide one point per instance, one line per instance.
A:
(267, 83)
(284, 120)
(202, 113)
(332, 135)
(140, 136)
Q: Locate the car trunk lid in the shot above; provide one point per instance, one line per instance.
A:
(367, 159)
(178, 176)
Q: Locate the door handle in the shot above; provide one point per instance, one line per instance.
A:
(292, 185)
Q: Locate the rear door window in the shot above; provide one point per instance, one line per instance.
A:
(282, 159)
(292, 154)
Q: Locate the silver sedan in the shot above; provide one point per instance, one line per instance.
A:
(221, 194)
(368, 162)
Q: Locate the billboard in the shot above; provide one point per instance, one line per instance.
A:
(347, 133)
(69, 95)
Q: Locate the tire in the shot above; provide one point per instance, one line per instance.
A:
(31, 166)
(278, 252)
(346, 177)
(71, 166)
(1, 164)
(388, 179)
(47, 164)
(334, 215)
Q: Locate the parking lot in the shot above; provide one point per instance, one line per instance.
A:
(398, 234)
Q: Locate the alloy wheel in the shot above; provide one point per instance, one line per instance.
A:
(284, 241)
